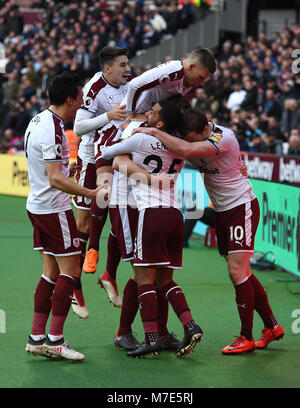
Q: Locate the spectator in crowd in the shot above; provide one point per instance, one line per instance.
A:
(201, 101)
(150, 36)
(11, 142)
(254, 79)
(158, 22)
(270, 105)
(187, 15)
(249, 102)
(257, 144)
(294, 143)
(254, 128)
(236, 97)
(272, 144)
(11, 88)
(290, 116)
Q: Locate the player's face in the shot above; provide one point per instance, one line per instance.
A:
(153, 116)
(196, 75)
(119, 71)
(75, 104)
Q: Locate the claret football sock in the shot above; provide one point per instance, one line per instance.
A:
(176, 297)
(42, 305)
(130, 307)
(148, 308)
(245, 304)
(98, 218)
(152, 337)
(261, 303)
(163, 309)
(61, 302)
(113, 256)
(189, 325)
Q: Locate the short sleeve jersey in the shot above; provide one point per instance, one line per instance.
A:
(121, 192)
(46, 142)
(150, 154)
(155, 85)
(225, 185)
(99, 97)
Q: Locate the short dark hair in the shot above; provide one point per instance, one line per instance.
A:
(181, 101)
(205, 57)
(108, 54)
(171, 115)
(194, 121)
(63, 86)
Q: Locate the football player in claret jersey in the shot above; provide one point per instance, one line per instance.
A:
(123, 213)
(170, 78)
(152, 86)
(215, 151)
(101, 104)
(158, 245)
(49, 210)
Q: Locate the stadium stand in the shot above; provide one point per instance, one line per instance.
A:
(256, 88)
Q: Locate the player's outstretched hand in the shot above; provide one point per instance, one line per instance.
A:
(118, 112)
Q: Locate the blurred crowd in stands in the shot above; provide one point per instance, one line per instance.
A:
(255, 90)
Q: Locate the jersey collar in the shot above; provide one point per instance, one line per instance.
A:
(58, 117)
(116, 87)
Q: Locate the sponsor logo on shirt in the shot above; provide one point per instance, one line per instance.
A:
(206, 170)
(36, 119)
(215, 137)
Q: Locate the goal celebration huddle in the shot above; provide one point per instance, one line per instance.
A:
(136, 134)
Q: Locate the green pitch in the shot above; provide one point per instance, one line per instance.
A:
(209, 294)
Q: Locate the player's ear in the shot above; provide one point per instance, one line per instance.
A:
(70, 101)
(106, 68)
(205, 132)
(191, 66)
(160, 124)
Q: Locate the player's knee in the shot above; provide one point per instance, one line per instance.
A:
(83, 221)
(74, 272)
(237, 270)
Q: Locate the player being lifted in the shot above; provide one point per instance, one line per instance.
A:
(214, 150)
(158, 245)
(102, 97)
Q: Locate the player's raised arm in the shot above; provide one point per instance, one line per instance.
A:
(85, 122)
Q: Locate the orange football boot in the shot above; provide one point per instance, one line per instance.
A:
(90, 261)
(268, 335)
